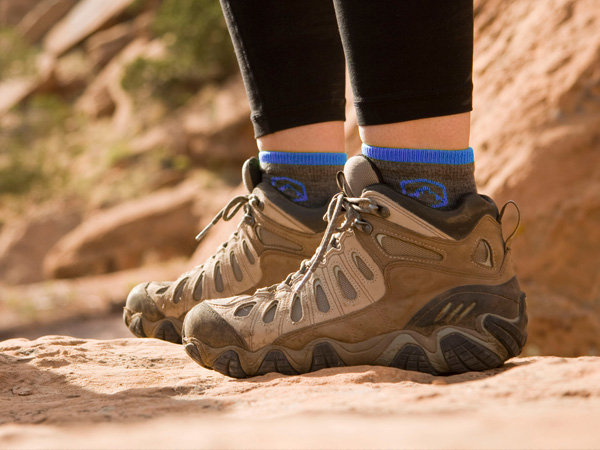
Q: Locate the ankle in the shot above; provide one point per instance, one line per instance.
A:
(436, 178)
(308, 179)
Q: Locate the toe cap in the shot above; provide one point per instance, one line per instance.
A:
(207, 326)
(139, 301)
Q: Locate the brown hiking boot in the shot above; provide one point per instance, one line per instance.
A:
(270, 242)
(394, 283)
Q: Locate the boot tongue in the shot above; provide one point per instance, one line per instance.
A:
(359, 173)
(251, 174)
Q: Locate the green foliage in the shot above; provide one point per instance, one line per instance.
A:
(199, 50)
(17, 59)
(28, 159)
(17, 176)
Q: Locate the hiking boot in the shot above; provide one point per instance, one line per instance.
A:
(393, 283)
(273, 238)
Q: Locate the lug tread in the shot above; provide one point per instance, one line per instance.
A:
(511, 336)
(464, 355)
(167, 332)
(506, 333)
(324, 356)
(193, 353)
(275, 361)
(412, 357)
(229, 364)
(136, 327)
(461, 353)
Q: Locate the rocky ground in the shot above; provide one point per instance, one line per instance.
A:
(63, 392)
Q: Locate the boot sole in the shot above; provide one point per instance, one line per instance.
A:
(167, 329)
(447, 350)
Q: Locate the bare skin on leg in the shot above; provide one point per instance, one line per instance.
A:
(317, 137)
(440, 133)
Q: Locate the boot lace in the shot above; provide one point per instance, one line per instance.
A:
(351, 208)
(248, 202)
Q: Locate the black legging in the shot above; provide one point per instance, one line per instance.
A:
(408, 59)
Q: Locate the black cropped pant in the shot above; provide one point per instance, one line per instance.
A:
(407, 59)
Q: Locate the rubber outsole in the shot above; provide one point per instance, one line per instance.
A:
(458, 351)
(412, 357)
(165, 329)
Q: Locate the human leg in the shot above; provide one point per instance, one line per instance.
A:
(297, 101)
(292, 63)
(420, 282)
(411, 77)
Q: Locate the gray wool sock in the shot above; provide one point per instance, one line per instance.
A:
(436, 178)
(308, 179)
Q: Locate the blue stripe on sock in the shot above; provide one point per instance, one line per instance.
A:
(303, 159)
(409, 155)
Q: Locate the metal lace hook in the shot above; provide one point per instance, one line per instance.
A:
(513, 233)
(339, 200)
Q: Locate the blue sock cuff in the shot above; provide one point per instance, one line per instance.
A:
(409, 155)
(303, 159)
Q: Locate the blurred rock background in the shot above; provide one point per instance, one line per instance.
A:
(124, 123)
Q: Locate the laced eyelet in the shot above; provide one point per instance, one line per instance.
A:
(383, 211)
(249, 219)
(255, 202)
(364, 226)
(351, 209)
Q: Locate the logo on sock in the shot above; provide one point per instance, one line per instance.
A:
(293, 189)
(429, 192)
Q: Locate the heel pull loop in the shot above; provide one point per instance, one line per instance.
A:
(511, 236)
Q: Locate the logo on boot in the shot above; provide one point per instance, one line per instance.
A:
(290, 188)
(429, 192)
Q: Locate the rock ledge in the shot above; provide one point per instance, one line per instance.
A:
(65, 392)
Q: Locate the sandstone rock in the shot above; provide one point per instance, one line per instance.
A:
(536, 131)
(104, 45)
(14, 91)
(105, 94)
(221, 232)
(64, 392)
(42, 17)
(214, 129)
(13, 11)
(96, 100)
(87, 17)
(168, 135)
(33, 309)
(219, 128)
(24, 244)
(72, 74)
(159, 226)
(61, 303)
